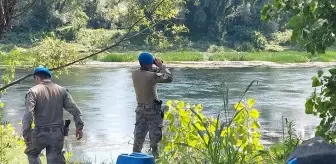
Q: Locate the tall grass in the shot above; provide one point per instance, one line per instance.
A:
(280, 152)
(168, 56)
(126, 57)
(279, 57)
(329, 56)
(181, 56)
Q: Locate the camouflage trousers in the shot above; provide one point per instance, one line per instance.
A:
(148, 120)
(52, 141)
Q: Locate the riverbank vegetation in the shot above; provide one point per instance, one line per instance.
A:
(278, 57)
(179, 30)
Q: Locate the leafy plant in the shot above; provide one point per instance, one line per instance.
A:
(323, 104)
(192, 137)
(53, 53)
(279, 152)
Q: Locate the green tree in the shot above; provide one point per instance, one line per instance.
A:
(313, 22)
(51, 14)
(158, 28)
(322, 102)
(208, 17)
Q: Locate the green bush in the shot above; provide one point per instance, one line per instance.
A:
(68, 33)
(259, 40)
(192, 137)
(53, 53)
(243, 38)
(282, 38)
(274, 48)
(216, 49)
(12, 147)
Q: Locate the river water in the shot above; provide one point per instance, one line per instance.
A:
(106, 98)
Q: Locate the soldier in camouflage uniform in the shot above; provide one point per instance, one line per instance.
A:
(149, 116)
(44, 105)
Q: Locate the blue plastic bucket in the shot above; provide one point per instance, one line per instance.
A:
(135, 158)
(292, 161)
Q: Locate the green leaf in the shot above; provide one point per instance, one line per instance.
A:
(316, 82)
(295, 22)
(255, 124)
(199, 126)
(239, 117)
(295, 35)
(239, 106)
(277, 4)
(265, 12)
(180, 105)
(320, 73)
(250, 102)
(332, 71)
(254, 113)
(309, 106)
(2, 104)
(198, 108)
(169, 103)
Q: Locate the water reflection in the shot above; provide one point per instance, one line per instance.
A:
(107, 99)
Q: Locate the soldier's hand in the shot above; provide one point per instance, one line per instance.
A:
(27, 141)
(79, 134)
(158, 62)
(27, 138)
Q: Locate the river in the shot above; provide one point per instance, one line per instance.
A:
(106, 98)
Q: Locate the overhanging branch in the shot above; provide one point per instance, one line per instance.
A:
(124, 38)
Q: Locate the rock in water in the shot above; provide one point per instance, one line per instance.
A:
(314, 151)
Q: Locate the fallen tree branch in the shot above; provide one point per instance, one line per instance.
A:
(124, 38)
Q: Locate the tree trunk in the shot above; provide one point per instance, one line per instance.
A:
(6, 14)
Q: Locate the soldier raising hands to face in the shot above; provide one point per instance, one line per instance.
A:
(149, 116)
(44, 105)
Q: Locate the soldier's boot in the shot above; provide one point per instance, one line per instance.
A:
(154, 150)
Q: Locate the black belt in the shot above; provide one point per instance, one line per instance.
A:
(48, 129)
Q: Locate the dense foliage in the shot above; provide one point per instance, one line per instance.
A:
(322, 104)
(192, 137)
(233, 23)
(313, 22)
